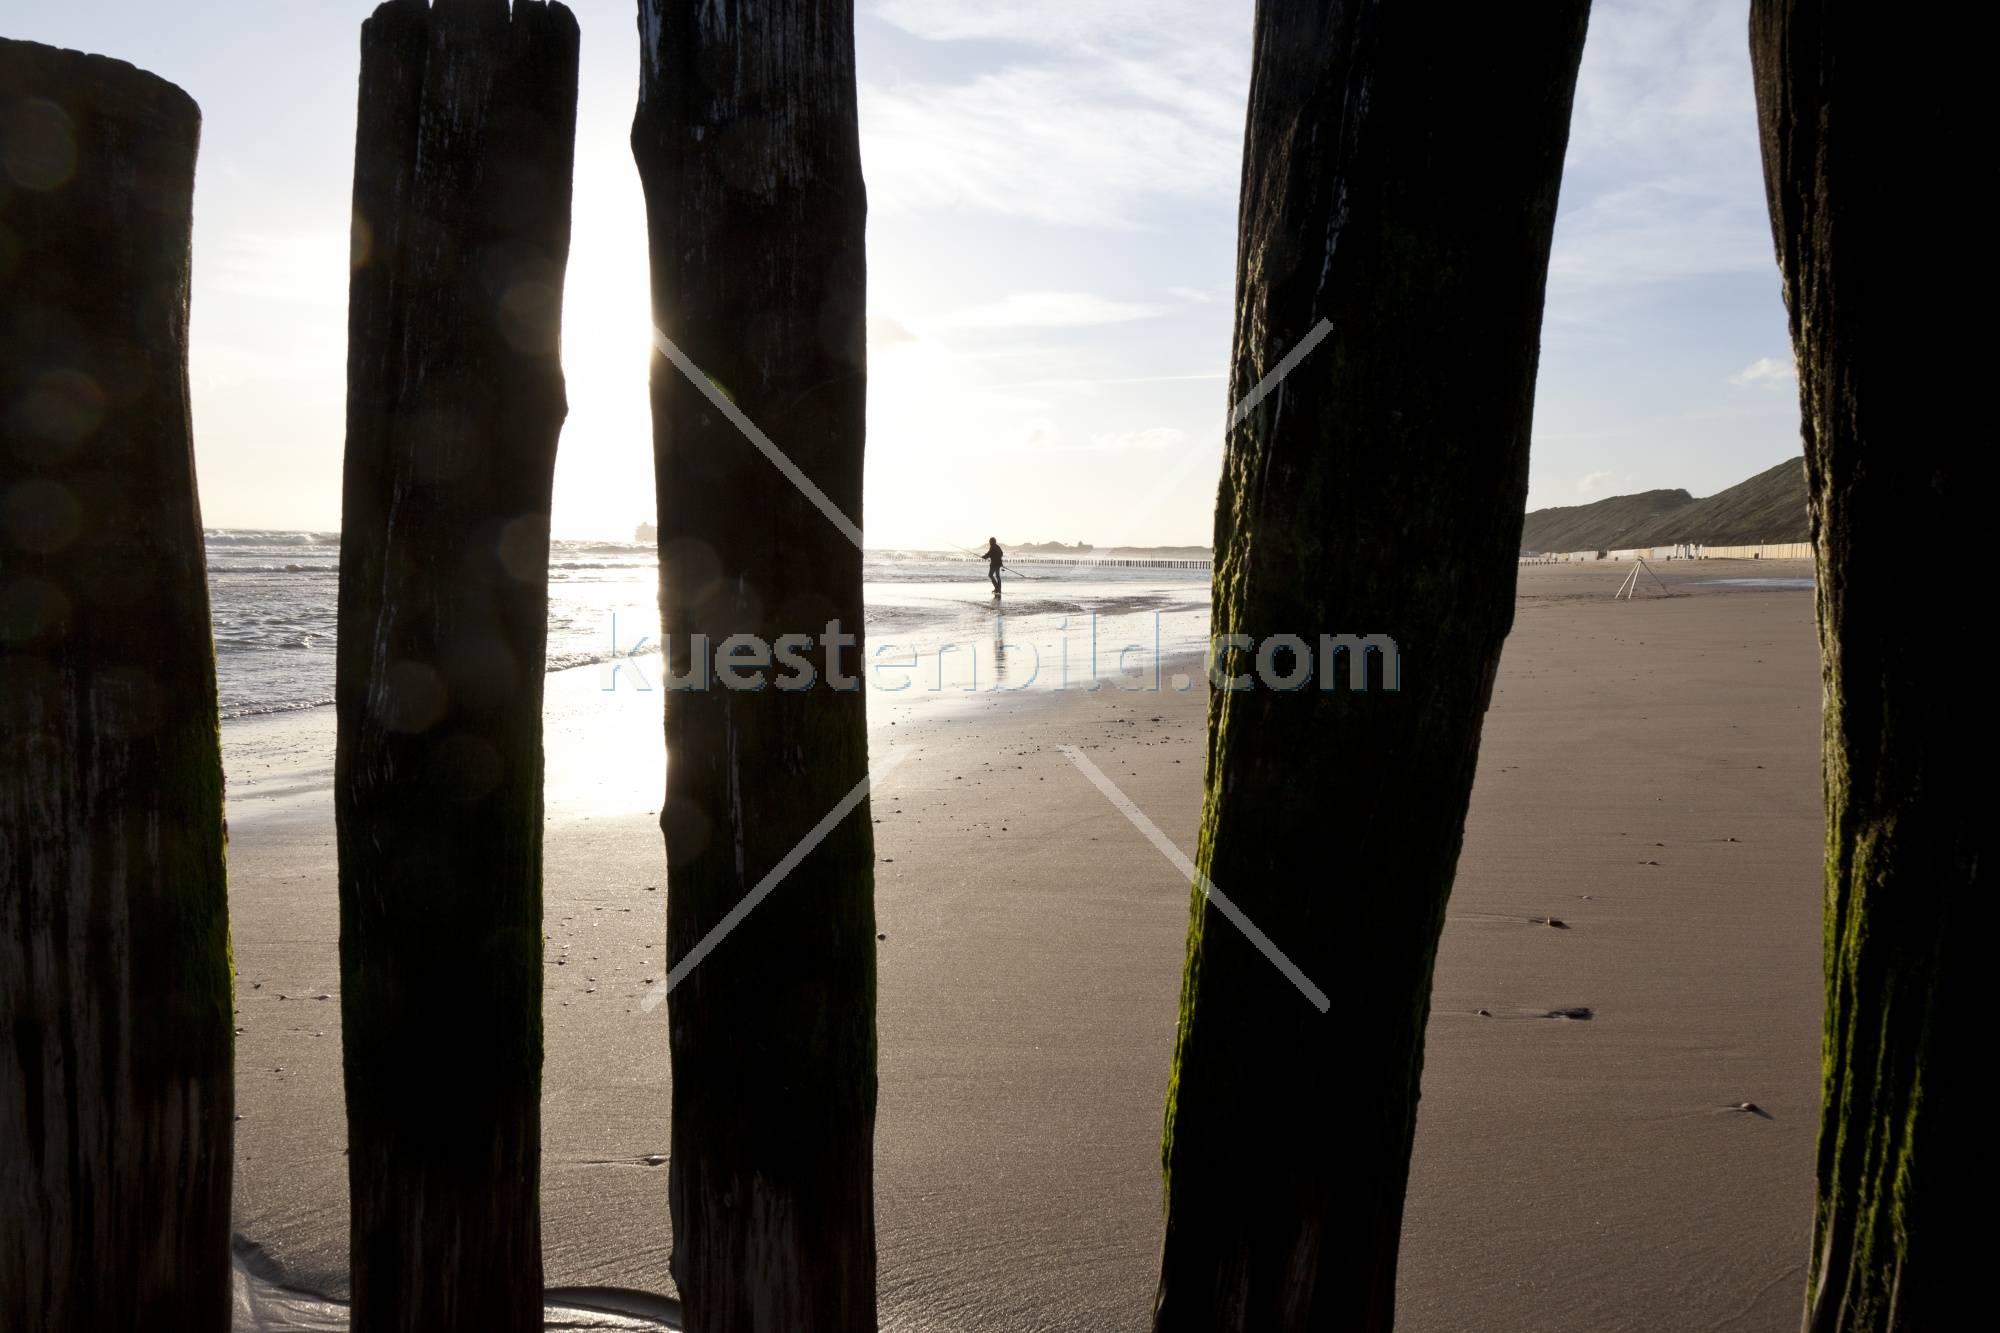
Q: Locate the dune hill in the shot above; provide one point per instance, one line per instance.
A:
(1769, 507)
(1602, 524)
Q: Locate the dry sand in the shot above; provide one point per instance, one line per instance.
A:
(1649, 777)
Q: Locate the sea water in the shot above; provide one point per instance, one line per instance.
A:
(931, 622)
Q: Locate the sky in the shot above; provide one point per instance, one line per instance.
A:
(1052, 200)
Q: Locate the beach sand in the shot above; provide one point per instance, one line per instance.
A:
(1650, 777)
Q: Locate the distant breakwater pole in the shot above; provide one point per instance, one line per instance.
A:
(464, 149)
(116, 1053)
(1854, 121)
(1400, 183)
(747, 145)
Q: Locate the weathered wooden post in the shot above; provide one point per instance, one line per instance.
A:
(463, 157)
(1868, 145)
(1399, 181)
(116, 1075)
(748, 149)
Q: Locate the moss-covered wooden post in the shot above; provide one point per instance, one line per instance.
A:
(1400, 179)
(1867, 128)
(116, 1072)
(748, 149)
(463, 158)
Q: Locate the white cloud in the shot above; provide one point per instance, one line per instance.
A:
(1155, 437)
(1665, 229)
(309, 268)
(1048, 310)
(1034, 143)
(1594, 482)
(217, 366)
(1766, 372)
(270, 308)
(1085, 114)
(884, 333)
(1098, 114)
(1662, 180)
(1044, 435)
(1066, 24)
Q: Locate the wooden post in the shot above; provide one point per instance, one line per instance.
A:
(1399, 180)
(463, 157)
(747, 145)
(1871, 169)
(116, 1077)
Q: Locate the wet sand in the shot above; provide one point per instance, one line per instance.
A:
(1649, 778)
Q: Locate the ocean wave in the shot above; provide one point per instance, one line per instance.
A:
(608, 548)
(274, 627)
(267, 537)
(215, 568)
(558, 661)
(555, 662)
(272, 708)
